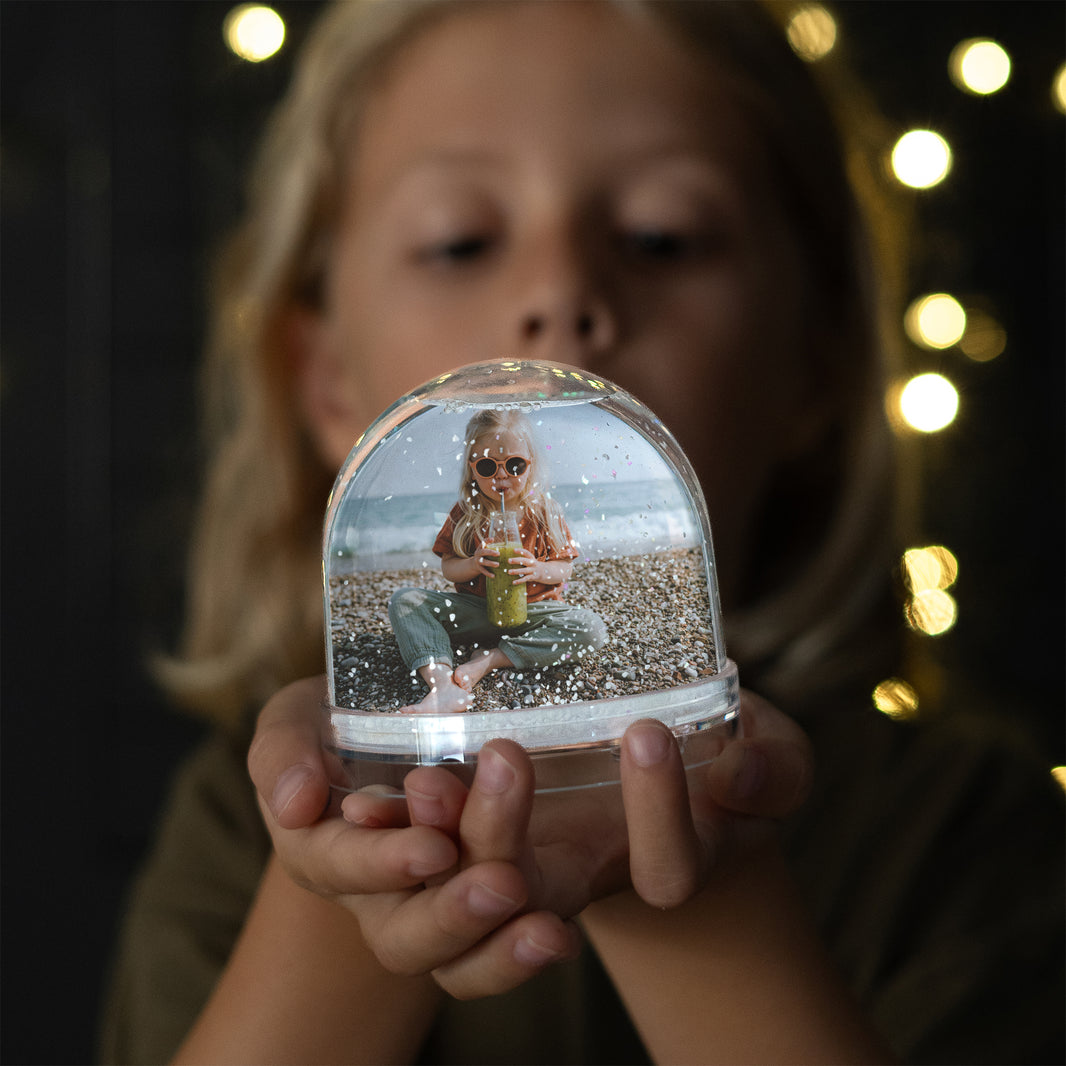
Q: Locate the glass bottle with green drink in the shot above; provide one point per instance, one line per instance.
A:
(506, 601)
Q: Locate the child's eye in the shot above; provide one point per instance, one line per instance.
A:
(661, 246)
(461, 249)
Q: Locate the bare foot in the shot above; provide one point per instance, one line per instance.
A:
(468, 674)
(442, 698)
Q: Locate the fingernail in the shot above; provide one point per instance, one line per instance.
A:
(530, 953)
(483, 902)
(367, 821)
(748, 780)
(494, 773)
(648, 745)
(428, 810)
(287, 787)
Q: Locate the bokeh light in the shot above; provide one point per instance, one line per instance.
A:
(254, 32)
(935, 321)
(927, 573)
(931, 612)
(921, 159)
(934, 567)
(984, 339)
(929, 402)
(979, 66)
(1058, 89)
(1059, 773)
(896, 698)
(812, 32)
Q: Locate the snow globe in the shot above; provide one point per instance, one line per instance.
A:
(519, 549)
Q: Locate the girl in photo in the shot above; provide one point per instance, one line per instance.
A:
(502, 476)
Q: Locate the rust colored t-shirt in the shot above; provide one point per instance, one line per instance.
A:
(533, 538)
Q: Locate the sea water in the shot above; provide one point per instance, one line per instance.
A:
(606, 519)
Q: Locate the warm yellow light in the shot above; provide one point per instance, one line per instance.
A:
(979, 66)
(896, 698)
(1058, 89)
(921, 158)
(984, 338)
(929, 568)
(929, 402)
(1059, 773)
(253, 32)
(935, 321)
(931, 612)
(812, 32)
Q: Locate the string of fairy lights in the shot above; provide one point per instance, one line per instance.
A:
(928, 402)
(925, 403)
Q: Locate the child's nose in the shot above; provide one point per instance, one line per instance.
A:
(562, 309)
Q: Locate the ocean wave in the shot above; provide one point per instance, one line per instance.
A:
(604, 520)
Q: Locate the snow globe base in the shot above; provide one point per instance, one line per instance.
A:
(571, 747)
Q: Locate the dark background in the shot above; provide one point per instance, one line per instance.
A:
(126, 126)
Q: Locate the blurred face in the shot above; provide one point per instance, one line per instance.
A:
(559, 181)
(501, 465)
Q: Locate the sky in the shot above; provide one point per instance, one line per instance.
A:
(581, 444)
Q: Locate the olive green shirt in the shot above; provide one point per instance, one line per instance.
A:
(932, 859)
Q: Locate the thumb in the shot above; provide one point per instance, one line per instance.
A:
(285, 758)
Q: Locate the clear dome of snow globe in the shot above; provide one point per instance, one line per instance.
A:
(520, 550)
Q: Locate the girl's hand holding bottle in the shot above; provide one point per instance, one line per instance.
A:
(479, 886)
(487, 558)
(525, 567)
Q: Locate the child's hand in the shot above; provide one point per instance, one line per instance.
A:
(525, 567)
(394, 863)
(478, 886)
(674, 837)
(487, 559)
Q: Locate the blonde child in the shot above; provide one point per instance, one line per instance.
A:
(501, 470)
(654, 191)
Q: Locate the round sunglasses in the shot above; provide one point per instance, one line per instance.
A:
(513, 466)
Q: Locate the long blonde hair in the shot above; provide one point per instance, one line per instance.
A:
(254, 611)
(534, 503)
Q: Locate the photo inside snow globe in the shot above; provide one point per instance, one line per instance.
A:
(507, 558)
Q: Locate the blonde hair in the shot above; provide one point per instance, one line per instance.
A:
(533, 503)
(826, 165)
(254, 618)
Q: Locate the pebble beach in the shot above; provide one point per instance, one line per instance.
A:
(655, 607)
